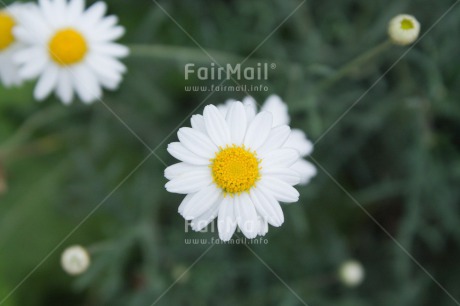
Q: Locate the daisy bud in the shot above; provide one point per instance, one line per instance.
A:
(75, 260)
(351, 273)
(403, 29)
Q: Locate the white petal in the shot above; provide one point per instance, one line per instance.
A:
(250, 105)
(246, 215)
(185, 202)
(278, 108)
(110, 84)
(201, 202)
(267, 207)
(258, 130)
(105, 66)
(33, 21)
(106, 73)
(107, 35)
(34, 68)
(298, 140)
(46, 83)
(75, 8)
(61, 12)
(108, 22)
(287, 175)
(250, 101)
(277, 137)
(64, 87)
(179, 169)
(27, 54)
(177, 150)
(305, 169)
(197, 142)
(237, 122)
(204, 219)
(226, 223)
(111, 49)
(8, 72)
(190, 182)
(280, 158)
(22, 35)
(51, 11)
(94, 13)
(9, 75)
(282, 191)
(216, 126)
(223, 108)
(86, 84)
(263, 227)
(115, 64)
(198, 124)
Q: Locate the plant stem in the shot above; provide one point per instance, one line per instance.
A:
(18, 141)
(195, 55)
(43, 145)
(182, 54)
(353, 65)
(31, 124)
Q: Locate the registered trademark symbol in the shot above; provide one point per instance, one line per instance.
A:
(272, 65)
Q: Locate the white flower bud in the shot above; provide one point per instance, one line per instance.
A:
(403, 29)
(351, 273)
(75, 260)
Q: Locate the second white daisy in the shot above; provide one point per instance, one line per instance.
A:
(70, 49)
(233, 167)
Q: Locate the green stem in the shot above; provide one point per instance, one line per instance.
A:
(182, 54)
(40, 146)
(18, 142)
(33, 123)
(353, 65)
(195, 55)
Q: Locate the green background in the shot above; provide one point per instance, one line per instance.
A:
(394, 155)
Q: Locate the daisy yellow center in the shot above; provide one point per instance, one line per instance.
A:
(235, 169)
(7, 24)
(68, 47)
(407, 24)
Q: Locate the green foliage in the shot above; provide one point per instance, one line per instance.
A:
(396, 153)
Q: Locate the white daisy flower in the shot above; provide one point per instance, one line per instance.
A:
(70, 49)
(234, 167)
(297, 140)
(75, 260)
(403, 29)
(9, 75)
